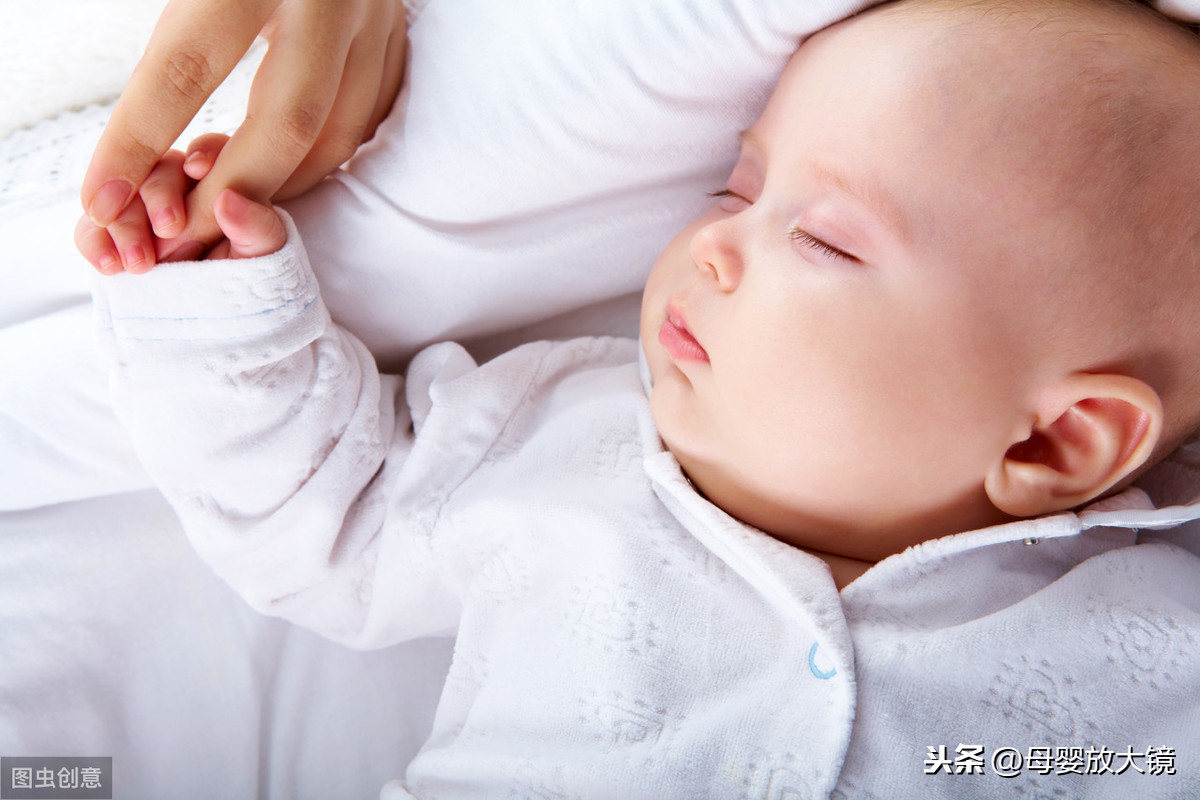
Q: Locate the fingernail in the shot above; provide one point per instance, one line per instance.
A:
(164, 220)
(193, 160)
(135, 258)
(110, 201)
(109, 264)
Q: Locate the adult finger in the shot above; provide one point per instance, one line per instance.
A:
(195, 45)
(370, 79)
(343, 130)
(290, 99)
(393, 72)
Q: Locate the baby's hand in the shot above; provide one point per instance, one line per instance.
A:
(143, 233)
(251, 229)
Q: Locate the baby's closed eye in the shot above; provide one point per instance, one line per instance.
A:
(806, 239)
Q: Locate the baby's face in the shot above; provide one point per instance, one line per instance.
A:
(835, 346)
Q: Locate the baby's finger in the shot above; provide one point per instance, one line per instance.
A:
(219, 251)
(202, 153)
(97, 246)
(133, 238)
(162, 194)
(252, 229)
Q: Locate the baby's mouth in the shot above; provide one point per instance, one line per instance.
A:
(678, 341)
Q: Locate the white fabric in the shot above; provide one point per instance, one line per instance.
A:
(67, 54)
(1183, 10)
(617, 635)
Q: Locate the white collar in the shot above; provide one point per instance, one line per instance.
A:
(1122, 516)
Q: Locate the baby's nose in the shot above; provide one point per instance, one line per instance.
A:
(715, 248)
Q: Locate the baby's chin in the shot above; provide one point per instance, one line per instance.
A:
(848, 530)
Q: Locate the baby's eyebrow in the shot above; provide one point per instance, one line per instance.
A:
(868, 191)
(865, 189)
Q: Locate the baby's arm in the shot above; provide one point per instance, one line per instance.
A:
(278, 443)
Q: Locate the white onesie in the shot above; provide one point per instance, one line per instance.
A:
(617, 635)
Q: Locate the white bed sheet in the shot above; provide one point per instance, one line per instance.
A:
(115, 641)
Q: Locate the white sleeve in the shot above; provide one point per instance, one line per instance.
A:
(278, 443)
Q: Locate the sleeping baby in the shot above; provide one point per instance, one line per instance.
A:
(821, 519)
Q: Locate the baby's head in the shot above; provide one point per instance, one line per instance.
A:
(953, 279)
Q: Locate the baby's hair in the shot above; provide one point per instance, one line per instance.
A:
(1131, 73)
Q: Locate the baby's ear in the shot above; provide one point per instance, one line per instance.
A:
(1089, 434)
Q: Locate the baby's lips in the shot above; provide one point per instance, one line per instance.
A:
(678, 340)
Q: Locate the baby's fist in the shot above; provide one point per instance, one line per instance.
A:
(251, 229)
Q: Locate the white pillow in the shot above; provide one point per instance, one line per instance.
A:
(541, 155)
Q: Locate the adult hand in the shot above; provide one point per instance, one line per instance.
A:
(329, 77)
